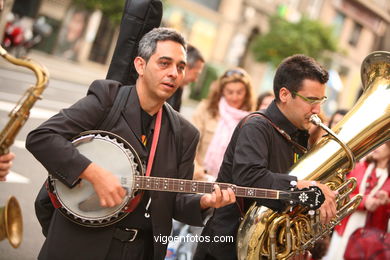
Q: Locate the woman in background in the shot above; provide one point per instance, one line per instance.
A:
(374, 210)
(336, 117)
(230, 99)
(264, 99)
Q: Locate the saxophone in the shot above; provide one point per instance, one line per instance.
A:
(19, 115)
(264, 233)
(11, 223)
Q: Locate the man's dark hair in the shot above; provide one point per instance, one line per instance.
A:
(294, 70)
(193, 56)
(148, 43)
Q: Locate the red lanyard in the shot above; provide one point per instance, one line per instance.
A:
(156, 135)
(157, 126)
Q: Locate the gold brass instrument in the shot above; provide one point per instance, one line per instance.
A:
(11, 225)
(11, 222)
(264, 233)
(19, 115)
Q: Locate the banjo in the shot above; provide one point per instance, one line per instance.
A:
(81, 204)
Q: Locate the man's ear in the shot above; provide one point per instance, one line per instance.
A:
(284, 94)
(139, 64)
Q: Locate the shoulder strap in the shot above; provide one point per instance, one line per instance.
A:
(119, 103)
(175, 123)
(280, 131)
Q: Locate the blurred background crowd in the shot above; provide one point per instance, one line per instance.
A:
(254, 35)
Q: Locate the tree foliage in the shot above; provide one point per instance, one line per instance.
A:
(112, 9)
(284, 39)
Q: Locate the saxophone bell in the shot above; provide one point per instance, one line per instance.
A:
(11, 222)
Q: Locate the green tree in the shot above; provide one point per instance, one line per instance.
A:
(112, 9)
(284, 39)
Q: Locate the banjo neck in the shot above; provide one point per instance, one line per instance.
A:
(191, 186)
(81, 203)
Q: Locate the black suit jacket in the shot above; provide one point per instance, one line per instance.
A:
(50, 144)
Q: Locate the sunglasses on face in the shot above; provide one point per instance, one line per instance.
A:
(312, 101)
(233, 72)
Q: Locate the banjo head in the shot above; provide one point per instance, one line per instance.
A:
(81, 204)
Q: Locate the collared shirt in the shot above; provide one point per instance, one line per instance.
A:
(259, 156)
(140, 217)
(146, 128)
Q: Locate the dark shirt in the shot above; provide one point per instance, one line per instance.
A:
(257, 156)
(146, 128)
(140, 217)
(175, 99)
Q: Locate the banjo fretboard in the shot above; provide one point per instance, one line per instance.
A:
(190, 186)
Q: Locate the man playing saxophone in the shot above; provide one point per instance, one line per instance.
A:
(264, 147)
(5, 165)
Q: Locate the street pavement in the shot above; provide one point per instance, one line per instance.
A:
(27, 173)
(68, 82)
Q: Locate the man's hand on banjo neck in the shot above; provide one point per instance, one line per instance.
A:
(111, 192)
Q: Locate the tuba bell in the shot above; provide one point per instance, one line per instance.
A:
(264, 233)
(11, 222)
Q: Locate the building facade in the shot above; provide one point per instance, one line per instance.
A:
(360, 27)
(223, 31)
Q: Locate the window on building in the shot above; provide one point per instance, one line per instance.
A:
(212, 4)
(338, 23)
(26, 7)
(355, 35)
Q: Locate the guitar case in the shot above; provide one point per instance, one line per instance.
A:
(139, 17)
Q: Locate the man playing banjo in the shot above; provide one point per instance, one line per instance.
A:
(160, 65)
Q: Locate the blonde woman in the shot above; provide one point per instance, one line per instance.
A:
(231, 98)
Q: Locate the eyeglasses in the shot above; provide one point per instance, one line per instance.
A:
(312, 101)
(233, 72)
